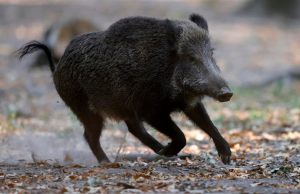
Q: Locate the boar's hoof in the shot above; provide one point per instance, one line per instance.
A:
(168, 151)
(225, 154)
(225, 158)
(163, 152)
(224, 151)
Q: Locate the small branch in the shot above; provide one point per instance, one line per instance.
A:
(121, 146)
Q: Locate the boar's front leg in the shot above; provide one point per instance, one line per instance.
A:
(200, 117)
(164, 124)
(138, 130)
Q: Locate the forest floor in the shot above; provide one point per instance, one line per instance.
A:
(49, 154)
(42, 149)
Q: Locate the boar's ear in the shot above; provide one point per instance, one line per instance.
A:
(199, 20)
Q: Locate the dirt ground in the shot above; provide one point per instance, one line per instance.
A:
(42, 149)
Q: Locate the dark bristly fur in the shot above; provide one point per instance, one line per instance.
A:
(141, 70)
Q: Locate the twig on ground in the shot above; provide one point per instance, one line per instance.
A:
(33, 156)
(121, 146)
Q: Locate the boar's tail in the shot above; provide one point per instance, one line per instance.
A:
(34, 46)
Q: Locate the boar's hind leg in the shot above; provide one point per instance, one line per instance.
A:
(200, 117)
(138, 130)
(93, 124)
(165, 125)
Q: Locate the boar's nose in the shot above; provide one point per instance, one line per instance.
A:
(224, 95)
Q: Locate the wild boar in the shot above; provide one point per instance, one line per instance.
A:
(141, 70)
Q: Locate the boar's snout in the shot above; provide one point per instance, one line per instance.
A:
(224, 94)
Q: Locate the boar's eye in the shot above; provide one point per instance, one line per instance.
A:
(211, 52)
(192, 58)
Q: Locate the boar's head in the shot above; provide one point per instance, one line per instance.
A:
(196, 73)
